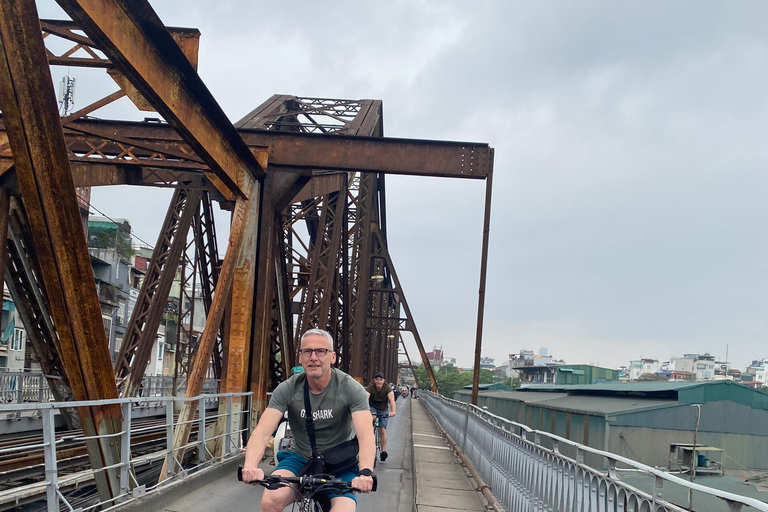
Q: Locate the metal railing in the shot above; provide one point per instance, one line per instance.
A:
(25, 387)
(20, 387)
(525, 475)
(53, 485)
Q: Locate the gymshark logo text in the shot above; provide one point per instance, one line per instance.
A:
(322, 414)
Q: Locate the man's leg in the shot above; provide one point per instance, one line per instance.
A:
(383, 433)
(343, 504)
(276, 500)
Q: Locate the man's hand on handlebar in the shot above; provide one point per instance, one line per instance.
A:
(251, 474)
(363, 483)
(391, 414)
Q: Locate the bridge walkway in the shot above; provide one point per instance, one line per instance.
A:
(421, 474)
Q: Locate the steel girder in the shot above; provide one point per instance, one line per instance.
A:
(308, 161)
(133, 38)
(141, 332)
(22, 273)
(48, 192)
(124, 149)
(381, 256)
(241, 245)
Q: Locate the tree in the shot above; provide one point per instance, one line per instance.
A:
(450, 380)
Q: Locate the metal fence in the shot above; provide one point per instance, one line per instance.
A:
(20, 387)
(52, 486)
(26, 387)
(526, 476)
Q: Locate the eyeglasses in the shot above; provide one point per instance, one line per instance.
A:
(307, 352)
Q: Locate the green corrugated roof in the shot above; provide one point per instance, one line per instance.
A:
(687, 392)
(493, 386)
(582, 404)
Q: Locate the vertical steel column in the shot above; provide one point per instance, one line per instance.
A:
(410, 324)
(481, 291)
(37, 141)
(245, 210)
(5, 205)
(361, 279)
(142, 327)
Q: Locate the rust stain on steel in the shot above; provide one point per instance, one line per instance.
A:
(137, 42)
(241, 313)
(239, 332)
(34, 130)
(379, 154)
(245, 211)
(340, 152)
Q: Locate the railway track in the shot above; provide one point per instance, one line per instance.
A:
(21, 470)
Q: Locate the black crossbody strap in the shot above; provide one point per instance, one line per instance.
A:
(308, 420)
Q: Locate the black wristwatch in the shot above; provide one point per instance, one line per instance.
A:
(365, 472)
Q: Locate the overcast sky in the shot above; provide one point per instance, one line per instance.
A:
(629, 203)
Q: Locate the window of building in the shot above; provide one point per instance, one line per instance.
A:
(17, 339)
(107, 320)
(160, 348)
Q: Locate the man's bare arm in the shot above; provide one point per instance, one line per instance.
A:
(361, 420)
(257, 443)
(391, 396)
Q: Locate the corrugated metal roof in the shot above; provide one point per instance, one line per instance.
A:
(607, 405)
(618, 386)
(684, 392)
(581, 403)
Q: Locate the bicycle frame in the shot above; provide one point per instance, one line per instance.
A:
(308, 486)
(377, 437)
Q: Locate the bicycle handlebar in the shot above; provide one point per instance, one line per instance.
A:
(313, 482)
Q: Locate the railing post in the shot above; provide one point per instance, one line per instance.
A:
(49, 451)
(125, 450)
(228, 435)
(170, 463)
(201, 433)
(20, 388)
(658, 484)
(466, 428)
(40, 389)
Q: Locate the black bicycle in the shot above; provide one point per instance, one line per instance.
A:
(311, 492)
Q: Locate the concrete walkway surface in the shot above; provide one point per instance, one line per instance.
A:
(421, 475)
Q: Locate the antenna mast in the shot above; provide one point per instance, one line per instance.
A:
(67, 94)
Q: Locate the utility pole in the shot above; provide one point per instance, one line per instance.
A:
(693, 455)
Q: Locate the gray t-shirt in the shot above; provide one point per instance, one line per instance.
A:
(331, 410)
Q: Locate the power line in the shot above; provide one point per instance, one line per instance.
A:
(120, 226)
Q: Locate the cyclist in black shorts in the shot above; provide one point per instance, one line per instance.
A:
(379, 394)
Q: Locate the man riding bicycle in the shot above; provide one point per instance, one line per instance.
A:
(339, 413)
(379, 393)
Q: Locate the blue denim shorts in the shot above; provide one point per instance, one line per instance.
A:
(382, 415)
(293, 462)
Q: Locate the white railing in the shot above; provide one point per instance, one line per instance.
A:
(24, 387)
(52, 485)
(526, 476)
(20, 387)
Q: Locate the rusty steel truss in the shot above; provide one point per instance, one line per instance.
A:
(303, 178)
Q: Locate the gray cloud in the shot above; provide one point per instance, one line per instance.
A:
(629, 180)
